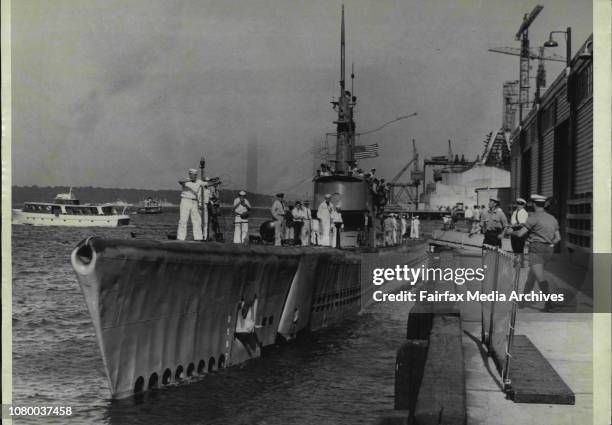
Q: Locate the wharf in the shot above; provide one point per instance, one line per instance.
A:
(467, 387)
(564, 339)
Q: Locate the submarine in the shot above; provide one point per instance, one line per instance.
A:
(167, 312)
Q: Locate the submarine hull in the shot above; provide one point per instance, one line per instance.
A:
(166, 311)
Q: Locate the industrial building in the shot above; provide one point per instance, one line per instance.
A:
(552, 151)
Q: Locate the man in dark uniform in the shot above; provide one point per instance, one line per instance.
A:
(542, 231)
(493, 223)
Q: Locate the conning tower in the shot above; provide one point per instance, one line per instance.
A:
(350, 191)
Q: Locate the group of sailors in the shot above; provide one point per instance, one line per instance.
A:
(297, 224)
(396, 228)
(379, 187)
(534, 233)
(294, 223)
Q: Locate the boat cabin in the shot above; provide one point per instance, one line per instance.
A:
(68, 209)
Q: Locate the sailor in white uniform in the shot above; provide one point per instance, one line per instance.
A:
(315, 231)
(307, 228)
(338, 225)
(278, 211)
(191, 194)
(241, 218)
(324, 214)
(414, 228)
(403, 227)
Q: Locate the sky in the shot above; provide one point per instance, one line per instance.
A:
(131, 93)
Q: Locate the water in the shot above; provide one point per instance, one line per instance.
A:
(343, 375)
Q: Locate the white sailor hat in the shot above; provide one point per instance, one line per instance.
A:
(242, 193)
(521, 201)
(538, 198)
(192, 171)
(327, 196)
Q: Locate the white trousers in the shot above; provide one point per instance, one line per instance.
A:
(279, 231)
(205, 223)
(189, 208)
(305, 233)
(314, 231)
(324, 236)
(241, 230)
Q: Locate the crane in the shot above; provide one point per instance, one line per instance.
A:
(398, 189)
(533, 53)
(525, 54)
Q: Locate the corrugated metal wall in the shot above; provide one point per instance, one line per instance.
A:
(515, 174)
(583, 166)
(548, 146)
(535, 164)
(562, 107)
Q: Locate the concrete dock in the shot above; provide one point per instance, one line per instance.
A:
(564, 339)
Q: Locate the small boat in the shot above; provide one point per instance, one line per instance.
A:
(150, 206)
(66, 210)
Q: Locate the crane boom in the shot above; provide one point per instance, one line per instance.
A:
(527, 20)
(402, 171)
(414, 160)
(533, 54)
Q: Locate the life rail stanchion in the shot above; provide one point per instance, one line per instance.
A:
(495, 282)
(511, 326)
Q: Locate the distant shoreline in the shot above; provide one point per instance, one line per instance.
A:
(127, 197)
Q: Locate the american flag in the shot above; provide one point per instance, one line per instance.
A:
(365, 151)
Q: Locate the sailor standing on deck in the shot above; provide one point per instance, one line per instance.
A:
(403, 227)
(315, 231)
(190, 201)
(299, 218)
(388, 230)
(415, 227)
(307, 224)
(493, 223)
(542, 232)
(241, 218)
(278, 211)
(336, 218)
(324, 214)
